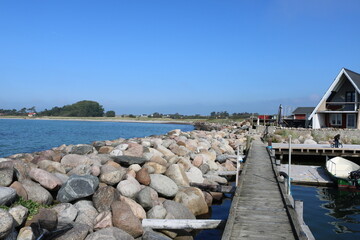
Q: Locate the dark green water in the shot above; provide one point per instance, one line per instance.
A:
(330, 213)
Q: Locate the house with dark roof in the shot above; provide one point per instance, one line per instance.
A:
(302, 113)
(339, 107)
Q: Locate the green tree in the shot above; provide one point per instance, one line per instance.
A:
(110, 114)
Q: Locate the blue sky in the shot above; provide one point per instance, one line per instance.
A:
(175, 56)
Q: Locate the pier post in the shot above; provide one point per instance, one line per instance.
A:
(289, 168)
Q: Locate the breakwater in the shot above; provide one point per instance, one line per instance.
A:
(106, 188)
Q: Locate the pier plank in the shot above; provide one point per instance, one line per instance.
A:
(258, 210)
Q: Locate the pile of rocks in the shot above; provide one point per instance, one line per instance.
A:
(105, 189)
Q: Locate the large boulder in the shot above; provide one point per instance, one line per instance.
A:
(111, 233)
(82, 149)
(124, 219)
(103, 220)
(19, 213)
(77, 187)
(7, 195)
(20, 190)
(151, 235)
(157, 168)
(78, 232)
(195, 175)
(51, 166)
(178, 210)
(157, 212)
(82, 169)
(193, 199)
(163, 185)
(129, 187)
(37, 193)
(66, 212)
(177, 174)
(46, 179)
(134, 149)
(71, 161)
(136, 208)
(147, 198)
(86, 213)
(6, 223)
(143, 176)
(6, 173)
(111, 175)
(126, 161)
(104, 197)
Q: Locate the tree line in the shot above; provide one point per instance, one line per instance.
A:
(80, 109)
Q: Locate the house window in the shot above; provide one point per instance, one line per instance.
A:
(350, 97)
(336, 119)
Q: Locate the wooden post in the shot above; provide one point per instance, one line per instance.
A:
(299, 208)
(237, 167)
(289, 168)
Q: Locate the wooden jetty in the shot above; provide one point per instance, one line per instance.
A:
(260, 208)
(348, 150)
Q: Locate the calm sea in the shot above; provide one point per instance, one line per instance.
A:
(27, 136)
(330, 213)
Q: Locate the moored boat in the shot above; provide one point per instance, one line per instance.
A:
(346, 174)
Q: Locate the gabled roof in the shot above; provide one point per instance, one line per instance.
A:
(352, 76)
(303, 110)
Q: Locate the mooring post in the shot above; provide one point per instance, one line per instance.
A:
(238, 160)
(289, 168)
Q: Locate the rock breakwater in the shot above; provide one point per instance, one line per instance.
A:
(104, 189)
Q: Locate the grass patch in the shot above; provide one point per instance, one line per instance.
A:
(32, 206)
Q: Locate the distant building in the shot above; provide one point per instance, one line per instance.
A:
(302, 113)
(339, 107)
(32, 114)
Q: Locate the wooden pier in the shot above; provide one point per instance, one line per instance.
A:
(348, 150)
(260, 208)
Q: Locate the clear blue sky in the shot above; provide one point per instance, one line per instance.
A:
(185, 56)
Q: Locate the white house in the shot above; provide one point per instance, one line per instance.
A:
(339, 107)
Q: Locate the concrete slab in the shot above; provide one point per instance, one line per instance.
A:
(307, 175)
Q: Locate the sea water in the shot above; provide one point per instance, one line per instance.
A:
(329, 212)
(27, 136)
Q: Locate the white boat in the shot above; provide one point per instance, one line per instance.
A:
(340, 168)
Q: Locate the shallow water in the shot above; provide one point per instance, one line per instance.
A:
(27, 136)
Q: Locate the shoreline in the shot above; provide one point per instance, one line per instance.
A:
(106, 120)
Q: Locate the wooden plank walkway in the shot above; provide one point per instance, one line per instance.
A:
(348, 150)
(258, 210)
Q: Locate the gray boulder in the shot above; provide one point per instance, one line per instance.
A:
(82, 149)
(78, 232)
(104, 197)
(111, 233)
(163, 185)
(6, 223)
(151, 235)
(77, 187)
(157, 212)
(126, 161)
(7, 195)
(147, 198)
(37, 193)
(178, 210)
(6, 173)
(66, 212)
(19, 213)
(86, 213)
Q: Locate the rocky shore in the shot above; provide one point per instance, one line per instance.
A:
(105, 189)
